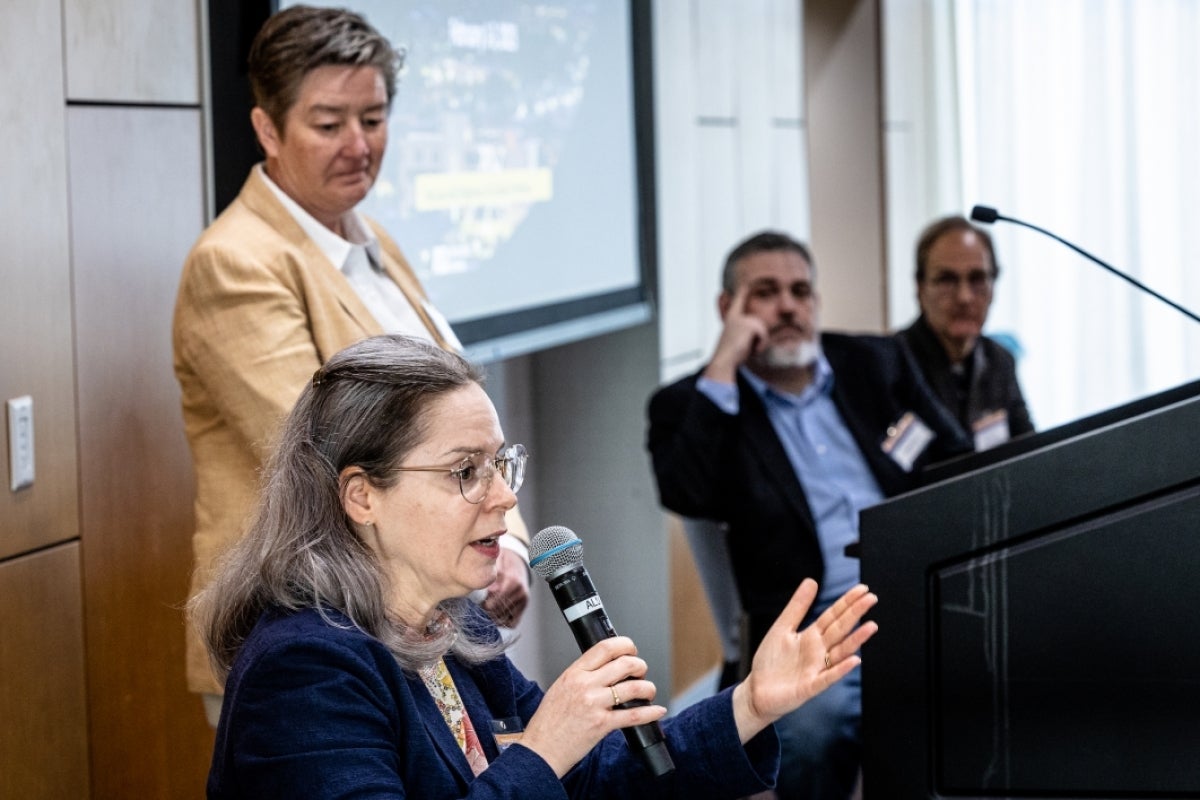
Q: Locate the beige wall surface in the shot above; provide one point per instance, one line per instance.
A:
(845, 112)
(731, 131)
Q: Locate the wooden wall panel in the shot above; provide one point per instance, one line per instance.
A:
(695, 648)
(136, 208)
(133, 51)
(35, 286)
(43, 736)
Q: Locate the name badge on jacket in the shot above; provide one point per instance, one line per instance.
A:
(991, 430)
(906, 440)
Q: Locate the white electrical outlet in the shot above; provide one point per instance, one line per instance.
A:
(20, 441)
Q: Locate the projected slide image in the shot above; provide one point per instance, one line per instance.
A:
(510, 178)
(485, 105)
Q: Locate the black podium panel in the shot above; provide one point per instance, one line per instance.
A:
(1040, 622)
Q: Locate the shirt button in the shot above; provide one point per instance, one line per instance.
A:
(820, 449)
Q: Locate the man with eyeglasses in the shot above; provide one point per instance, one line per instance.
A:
(975, 377)
(784, 436)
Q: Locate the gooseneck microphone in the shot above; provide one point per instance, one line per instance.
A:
(988, 214)
(556, 554)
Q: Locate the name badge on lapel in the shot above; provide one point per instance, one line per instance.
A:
(906, 440)
(507, 731)
(991, 430)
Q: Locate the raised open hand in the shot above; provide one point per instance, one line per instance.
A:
(792, 666)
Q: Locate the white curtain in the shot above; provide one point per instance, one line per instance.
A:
(1081, 117)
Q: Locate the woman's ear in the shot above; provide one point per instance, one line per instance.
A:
(356, 494)
(265, 130)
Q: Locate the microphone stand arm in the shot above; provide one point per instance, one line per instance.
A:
(1095, 260)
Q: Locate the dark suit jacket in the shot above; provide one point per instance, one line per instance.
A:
(315, 710)
(712, 465)
(993, 378)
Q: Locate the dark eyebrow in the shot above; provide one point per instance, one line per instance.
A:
(324, 108)
(948, 268)
(467, 452)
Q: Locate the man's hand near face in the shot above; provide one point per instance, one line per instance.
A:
(741, 337)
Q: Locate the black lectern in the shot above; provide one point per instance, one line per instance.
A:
(1040, 617)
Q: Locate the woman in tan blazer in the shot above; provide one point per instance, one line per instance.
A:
(290, 274)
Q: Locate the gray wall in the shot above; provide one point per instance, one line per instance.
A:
(593, 477)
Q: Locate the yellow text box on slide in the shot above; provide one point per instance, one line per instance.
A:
(441, 191)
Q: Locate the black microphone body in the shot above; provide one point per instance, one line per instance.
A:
(577, 599)
(557, 555)
(989, 215)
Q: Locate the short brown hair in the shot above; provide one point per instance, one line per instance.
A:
(297, 40)
(936, 229)
(761, 242)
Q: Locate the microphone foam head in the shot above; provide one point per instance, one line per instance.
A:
(553, 550)
(984, 214)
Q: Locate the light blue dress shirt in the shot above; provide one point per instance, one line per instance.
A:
(828, 463)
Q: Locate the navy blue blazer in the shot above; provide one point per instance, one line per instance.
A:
(315, 708)
(712, 465)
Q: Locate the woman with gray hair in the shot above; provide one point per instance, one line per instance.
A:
(290, 273)
(355, 666)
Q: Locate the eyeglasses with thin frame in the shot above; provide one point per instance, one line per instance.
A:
(475, 472)
(947, 283)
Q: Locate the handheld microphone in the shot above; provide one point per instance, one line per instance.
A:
(988, 214)
(556, 554)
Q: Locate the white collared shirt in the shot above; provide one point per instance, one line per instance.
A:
(358, 257)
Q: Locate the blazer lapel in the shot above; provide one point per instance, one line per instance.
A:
(764, 445)
(469, 685)
(439, 731)
(856, 410)
(317, 268)
(399, 270)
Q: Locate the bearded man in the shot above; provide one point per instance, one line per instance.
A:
(784, 436)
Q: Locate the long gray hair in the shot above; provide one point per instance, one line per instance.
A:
(366, 407)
